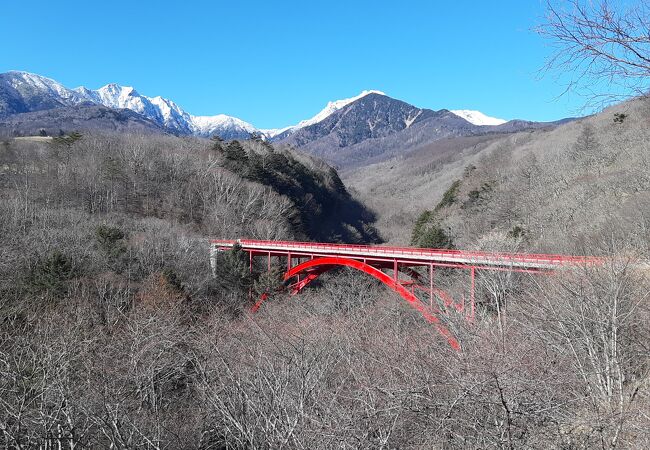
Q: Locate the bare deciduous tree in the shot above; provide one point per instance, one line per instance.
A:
(603, 44)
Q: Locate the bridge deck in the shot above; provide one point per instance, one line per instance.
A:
(408, 254)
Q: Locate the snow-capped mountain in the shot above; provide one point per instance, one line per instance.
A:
(347, 122)
(477, 117)
(22, 92)
(330, 109)
(25, 92)
(221, 125)
(167, 113)
(25, 82)
(160, 110)
(358, 130)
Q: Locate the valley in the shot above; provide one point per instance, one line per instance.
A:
(106, 230)
(452, 255)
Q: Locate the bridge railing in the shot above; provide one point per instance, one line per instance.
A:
(497, 257)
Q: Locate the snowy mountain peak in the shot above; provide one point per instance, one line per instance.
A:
(162, 111)
(26, 81)
(334, 106)
(330, 109)
(220, 124)
(116, 91)
(477, 117)
(18, 77)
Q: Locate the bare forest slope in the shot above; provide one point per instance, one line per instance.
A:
(581, 180)
(114, 332)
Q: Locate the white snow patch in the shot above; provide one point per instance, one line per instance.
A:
(409, 121)
(272, 132)
(477, 117)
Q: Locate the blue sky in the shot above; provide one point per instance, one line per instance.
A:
(274, 63)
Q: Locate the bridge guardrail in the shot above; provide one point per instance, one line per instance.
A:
(497, 257)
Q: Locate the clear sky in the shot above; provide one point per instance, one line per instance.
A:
(274, 63)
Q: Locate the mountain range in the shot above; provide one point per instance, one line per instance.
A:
(369, 125)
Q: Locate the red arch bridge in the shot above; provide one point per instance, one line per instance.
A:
(306, 261)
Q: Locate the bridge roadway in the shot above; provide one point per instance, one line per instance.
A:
(412, 256)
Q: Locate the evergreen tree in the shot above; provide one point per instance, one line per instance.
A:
(269, 282)
(435, 237)
(233, 270)
(429, 233)
(68, 140)
(449, 197)
(420, 224)
(236, 158)
(50, 275)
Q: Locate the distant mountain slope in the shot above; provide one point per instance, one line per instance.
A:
(444, 127)
(377, 127)
(369, 117)
(331, 108)
(76, 118)
(549, 185)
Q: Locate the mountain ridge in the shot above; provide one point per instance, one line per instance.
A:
(368, 127)
(161, 110)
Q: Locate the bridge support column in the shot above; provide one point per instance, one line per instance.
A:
(395, 273)
(250, 269)
(471, 295)
(431, 269)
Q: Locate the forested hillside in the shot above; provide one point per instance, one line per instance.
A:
(553, 189)
(58, 121)
(104, 235)
(131, 207)
(587, 181)
(115, 333)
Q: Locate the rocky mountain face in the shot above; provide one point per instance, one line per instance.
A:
(370, 117)
(21, 92)
(374, 125)
(162, 111)
(62, 120)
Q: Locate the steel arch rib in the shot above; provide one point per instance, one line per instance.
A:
(386, 279)
(316, 272)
